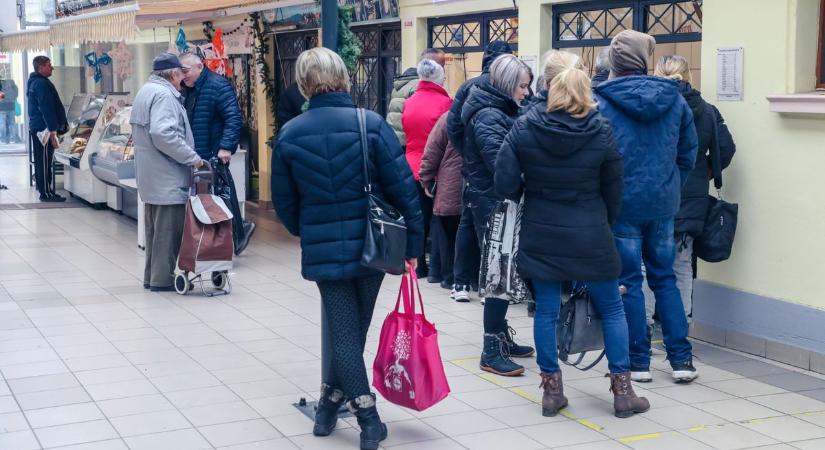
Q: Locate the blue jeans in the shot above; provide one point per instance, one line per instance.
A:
(8, 128)
(605, 297)
(652, 243)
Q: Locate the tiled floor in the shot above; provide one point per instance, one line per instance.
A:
(89, 360)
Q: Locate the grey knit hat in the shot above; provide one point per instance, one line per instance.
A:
(630, 53)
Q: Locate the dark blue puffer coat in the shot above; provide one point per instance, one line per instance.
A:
(214, 114)
(654, 128)
(318, 186)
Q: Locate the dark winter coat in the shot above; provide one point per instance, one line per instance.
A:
(540, 98)
(442, 162)
(488, 115)
(290, 104)
(599, 78)
(318, 186)
(653, 126)
(214, 114)
(572, 189)
(694, 208)
(45, 108)
(9, 87)
(455, 125)
(421, 112)
(403, 88)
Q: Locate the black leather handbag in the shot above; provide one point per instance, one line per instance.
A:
(385, 241)
(715, 244)
(579, 329)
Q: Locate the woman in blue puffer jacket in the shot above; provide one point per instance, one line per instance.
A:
(318, 193)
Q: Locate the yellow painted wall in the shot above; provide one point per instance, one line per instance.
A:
(776, 176)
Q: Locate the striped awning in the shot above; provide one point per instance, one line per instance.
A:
(32, 39)
(108, 25)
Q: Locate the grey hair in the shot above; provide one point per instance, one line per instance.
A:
(166, 74)
(190, 55)
(429, 70)
(603, 60)
(506, 72)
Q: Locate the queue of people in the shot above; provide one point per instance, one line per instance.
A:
(611, 175)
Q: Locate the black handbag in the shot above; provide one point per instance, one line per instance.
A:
(385, 241)
(716, 241)
(579, 329)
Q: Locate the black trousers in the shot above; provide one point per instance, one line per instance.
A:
(43, 159)
(448, 228)
(349, 305)
(467, 257)
(427, 212)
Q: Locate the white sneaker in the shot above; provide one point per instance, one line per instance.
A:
(482, 301)
(461, 295)
(684, 372)
(641, 377)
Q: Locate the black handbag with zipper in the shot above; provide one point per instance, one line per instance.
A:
(385, 241)
(716, 241)
(579, 329)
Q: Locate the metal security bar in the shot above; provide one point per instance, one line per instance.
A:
(378, 65)
(471, 33)
(595, 23)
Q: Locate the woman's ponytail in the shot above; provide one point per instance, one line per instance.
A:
(571, 92)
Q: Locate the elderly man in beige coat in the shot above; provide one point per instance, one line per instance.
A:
(164, 157)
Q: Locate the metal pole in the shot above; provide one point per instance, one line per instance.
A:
(329, 31)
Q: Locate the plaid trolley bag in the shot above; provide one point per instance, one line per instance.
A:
(206, 246)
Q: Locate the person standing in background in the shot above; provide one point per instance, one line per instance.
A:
(8, 100)
(602, 67)
(46, 114)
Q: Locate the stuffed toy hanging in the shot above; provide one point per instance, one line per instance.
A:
(215, 56)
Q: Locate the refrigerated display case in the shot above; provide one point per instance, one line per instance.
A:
(113, 161)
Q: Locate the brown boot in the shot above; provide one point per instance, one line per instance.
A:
(553, 399)
(625, 401)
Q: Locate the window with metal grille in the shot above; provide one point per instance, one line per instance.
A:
(379, 63)
(472, 33)
(595, 23)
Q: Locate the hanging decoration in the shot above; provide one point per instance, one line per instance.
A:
(95, 62)
(260, 51)
(180, 41)
(215, 56)
(122, 61)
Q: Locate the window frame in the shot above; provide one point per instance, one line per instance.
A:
(820, 58)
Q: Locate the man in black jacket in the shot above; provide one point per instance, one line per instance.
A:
(290, 104)
(46, 114)
(216, 122)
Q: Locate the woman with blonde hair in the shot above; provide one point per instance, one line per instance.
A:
(555, 61)
(318, 189)
(713, 136)
(564, 160)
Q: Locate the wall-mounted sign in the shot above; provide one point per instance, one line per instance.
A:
(729, 68)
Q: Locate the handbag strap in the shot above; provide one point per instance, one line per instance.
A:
(716, 157)
(362, 131)
(581, 358)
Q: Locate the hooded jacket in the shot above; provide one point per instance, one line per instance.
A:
(214, 114)
(441, 162)
(290, 104)
(694, 207)
(599, 78)
(403, 88)
(318, 186)
(572, 185)
(421, 111)
(455, 124)
(654, 129)
(45, 108)
(488, 115)
(9, 87)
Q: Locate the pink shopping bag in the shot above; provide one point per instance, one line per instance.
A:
(408, 370)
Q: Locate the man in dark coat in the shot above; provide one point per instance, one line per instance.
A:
(216, 122)
(657, 138)
(46, 115)
(602, 68)
(290, 104)
(8, 100)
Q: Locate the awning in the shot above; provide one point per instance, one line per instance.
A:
(108, 25)
(32, 39)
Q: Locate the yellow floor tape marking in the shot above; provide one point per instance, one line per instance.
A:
(589, 424)
(659, 341)
(463, 360)
(641, 437)
(492, 379)
(813, 413)
(695, 429)
(525, 394)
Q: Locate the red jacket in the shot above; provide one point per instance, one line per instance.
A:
(421, 111)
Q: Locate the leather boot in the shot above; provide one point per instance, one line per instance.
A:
(495, 358)
(625, 401)
(372, 430)
(553, 399)
(326, 412)
(516, 350)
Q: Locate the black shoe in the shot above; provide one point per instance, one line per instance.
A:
(684, 372)
(474, 287)
(161, 289)
(432, 279)
(145, 286)
(326, 412)
(517, 351)
(249, 230)
(372, 430)
(495, 358)
(446, 285)
(57, 198)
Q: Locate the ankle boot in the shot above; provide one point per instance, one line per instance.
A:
(516, 351)
(625, 401)
(372, 430)
(326, 412)
(495, 358)
(553, 399)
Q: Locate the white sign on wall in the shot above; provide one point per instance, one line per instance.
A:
(532, 63)
(729, 68)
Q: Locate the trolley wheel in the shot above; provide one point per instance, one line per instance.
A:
(220, 279)
(182, 284)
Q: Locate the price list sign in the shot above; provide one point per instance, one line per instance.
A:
(729, 65)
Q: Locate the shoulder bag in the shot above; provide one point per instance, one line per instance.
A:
(579, 329)
(385, 241)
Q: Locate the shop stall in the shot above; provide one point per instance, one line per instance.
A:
(76, 147)
(114, 163)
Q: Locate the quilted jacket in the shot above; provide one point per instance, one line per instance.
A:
(421, 111)
(318, 186)
(403, 88)
(214, 114)
(442, 163)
